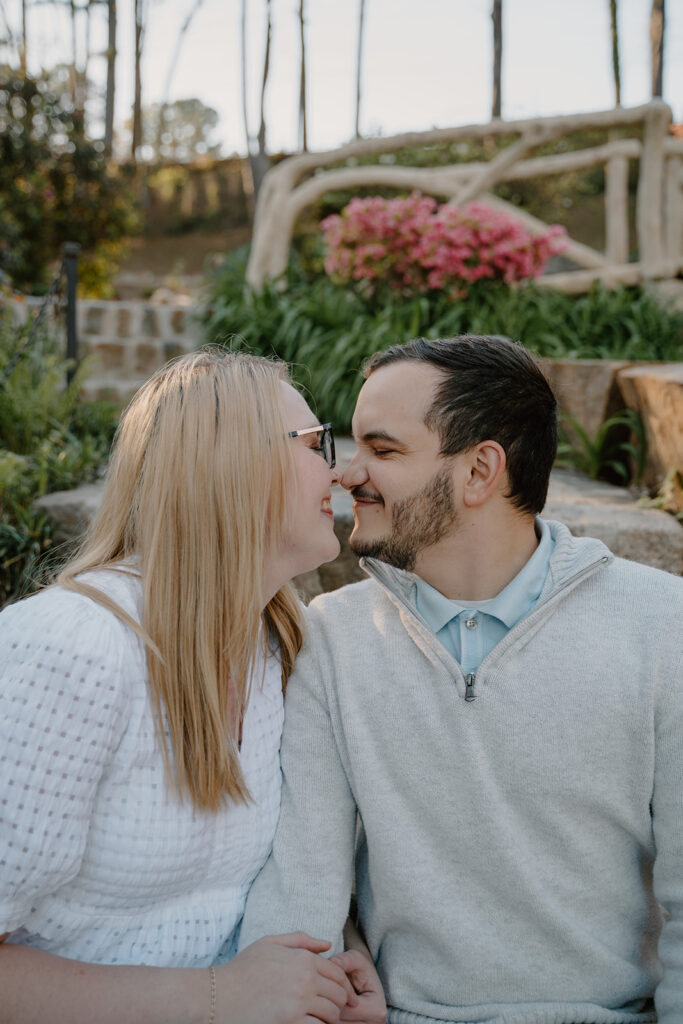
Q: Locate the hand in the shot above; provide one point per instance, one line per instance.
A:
(281, 980)
(371, 1007)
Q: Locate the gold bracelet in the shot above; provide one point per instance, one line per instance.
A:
(212, 1008)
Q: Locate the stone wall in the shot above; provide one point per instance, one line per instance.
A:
(125, 342)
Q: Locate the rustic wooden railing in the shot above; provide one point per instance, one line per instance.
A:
(298, 181)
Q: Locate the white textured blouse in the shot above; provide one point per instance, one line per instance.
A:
(99, 861)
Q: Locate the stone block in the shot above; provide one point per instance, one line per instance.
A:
(172, 349)
(123, 322)
(593, 509)
(655, 390)
(178, 320)
(149, 356)
(586, 389)
(110, 355)
(70, 511)
(110, 388)
(93, 319)
(150, 322)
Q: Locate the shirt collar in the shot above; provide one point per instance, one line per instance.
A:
(513, 601)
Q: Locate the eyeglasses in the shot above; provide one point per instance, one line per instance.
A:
(325, 441)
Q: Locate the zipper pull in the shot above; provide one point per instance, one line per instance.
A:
(469, 686)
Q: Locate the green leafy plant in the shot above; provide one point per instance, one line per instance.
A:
(49, 441)
(327, 331)
(56, 185)
(616, 453)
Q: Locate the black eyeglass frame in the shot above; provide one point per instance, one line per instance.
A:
(326, 441)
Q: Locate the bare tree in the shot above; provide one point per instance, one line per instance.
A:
(303, 141)
(657, 24)
(616, 67)
(136, 134)
(171, 68)
(243, 44)
(259, 164)
(497, 19)
(24, 36)
(73, 77)
(111, 78)
(359, 64)
(258, 160)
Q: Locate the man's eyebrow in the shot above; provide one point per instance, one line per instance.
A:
(379, 435)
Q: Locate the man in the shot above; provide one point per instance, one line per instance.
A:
(501, 704)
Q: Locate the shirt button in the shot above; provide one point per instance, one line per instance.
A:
(471, 623)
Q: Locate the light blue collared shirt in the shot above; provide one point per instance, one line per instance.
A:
(471, 631)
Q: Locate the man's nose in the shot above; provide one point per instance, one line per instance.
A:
(355, 473)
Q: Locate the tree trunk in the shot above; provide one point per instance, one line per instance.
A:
(136, 140)
(657, 23)
(259, 160)
(616, 67)
(497, 19)
(22, 48)
(243, 43)
(303, 140)
(359, 63)
(73, 74)
(85, 80)
(111, 79)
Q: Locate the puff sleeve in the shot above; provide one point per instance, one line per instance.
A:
(63, 705)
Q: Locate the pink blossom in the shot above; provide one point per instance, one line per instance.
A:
(414, 244)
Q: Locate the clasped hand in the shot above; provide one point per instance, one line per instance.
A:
(281, 979)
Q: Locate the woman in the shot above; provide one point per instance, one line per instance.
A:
(140, 718)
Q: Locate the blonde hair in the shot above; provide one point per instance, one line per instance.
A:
(196, 493)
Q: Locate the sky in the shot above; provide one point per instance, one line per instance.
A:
(426, 63)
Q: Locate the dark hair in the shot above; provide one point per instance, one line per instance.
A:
(492, 390)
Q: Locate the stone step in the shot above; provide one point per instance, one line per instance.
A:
(589, 509)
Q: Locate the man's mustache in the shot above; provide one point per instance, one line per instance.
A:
(363, 495)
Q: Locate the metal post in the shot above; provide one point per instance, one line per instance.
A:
(70, 251)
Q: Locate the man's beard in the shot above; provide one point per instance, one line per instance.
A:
(417, 522)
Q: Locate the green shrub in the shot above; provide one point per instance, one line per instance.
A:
(327, 331)
(56, 185)
(617, 452)
(49, 441)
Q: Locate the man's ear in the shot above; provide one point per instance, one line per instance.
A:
(485, 470)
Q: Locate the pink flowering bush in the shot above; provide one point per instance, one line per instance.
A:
(413, 244)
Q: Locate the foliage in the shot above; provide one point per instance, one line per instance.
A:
(669, 496)
(49, 441)
(55, 184)
(327, 331)
(617, 453)
(413, 244)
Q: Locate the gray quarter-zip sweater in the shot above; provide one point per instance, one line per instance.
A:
(508, 843)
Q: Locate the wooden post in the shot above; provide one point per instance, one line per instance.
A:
(616, 210)
(673, 207)
(70, 251)
(650, 188)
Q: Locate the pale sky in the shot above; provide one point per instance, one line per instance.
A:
(427, 63)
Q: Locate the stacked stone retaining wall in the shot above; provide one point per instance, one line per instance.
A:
(125, 342)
